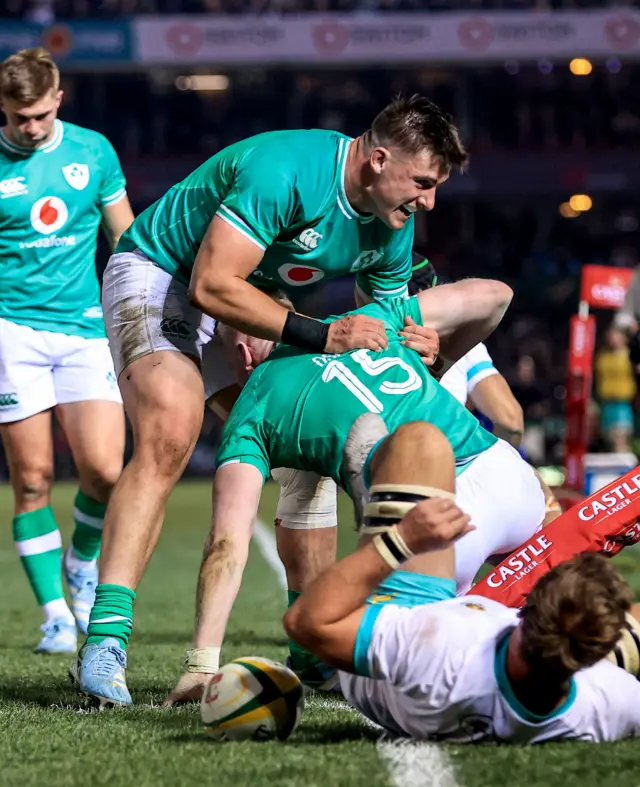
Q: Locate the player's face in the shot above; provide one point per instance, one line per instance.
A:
(403, 184)
(31, 125)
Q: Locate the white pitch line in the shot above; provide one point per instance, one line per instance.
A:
(409, 764)
(417, 764)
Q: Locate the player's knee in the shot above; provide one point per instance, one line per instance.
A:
(166, 449)
(98, 480)
(422, 439)
(33, 485)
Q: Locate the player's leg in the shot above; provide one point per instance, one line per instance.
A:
(153, 336)
(416, 460)
(399, 470)
(92, 417)
(28, 395)
(306, 535)
(29, 450)
(506, 503)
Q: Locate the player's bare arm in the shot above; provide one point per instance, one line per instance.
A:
(463, 314)
(237, 495)
(326, 618)
(494, 398)
(116, 219)
(220, 288)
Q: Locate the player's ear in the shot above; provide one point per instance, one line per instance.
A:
(246, 358)
(378, 159)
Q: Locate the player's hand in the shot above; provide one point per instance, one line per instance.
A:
(189, 688)
(425, 341)
(433, 524)
(354, 332)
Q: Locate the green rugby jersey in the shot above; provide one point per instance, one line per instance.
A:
(297, 408)
(51, 200)
(283, 190)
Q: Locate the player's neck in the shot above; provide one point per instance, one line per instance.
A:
(353, 182)
(538, 694)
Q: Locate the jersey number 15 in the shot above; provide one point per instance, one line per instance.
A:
(337, 370)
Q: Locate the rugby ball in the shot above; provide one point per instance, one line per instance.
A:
(252, 699)
(626, 653)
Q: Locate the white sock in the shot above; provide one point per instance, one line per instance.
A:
(75, 563)
(56, 609)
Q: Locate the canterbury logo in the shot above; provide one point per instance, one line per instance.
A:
(13, 187)
(308, 239)
(171, 326)
(8, 399)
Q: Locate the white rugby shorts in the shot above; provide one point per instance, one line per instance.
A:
(147, 310)
(503, 497)
(40, 369)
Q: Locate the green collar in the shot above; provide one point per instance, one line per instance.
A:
(343, 203)
(52, 144)
(500, 670)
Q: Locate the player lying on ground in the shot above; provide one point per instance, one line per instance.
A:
(464, 669)
(262, 213)
(58, 184)
(307, 512)
(297, 411)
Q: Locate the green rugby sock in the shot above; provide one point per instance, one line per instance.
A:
(39, 545)
(88, 515)
(111, 615)
(301, 658)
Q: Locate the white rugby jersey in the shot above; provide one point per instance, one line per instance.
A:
(466, 373)
(437, 673)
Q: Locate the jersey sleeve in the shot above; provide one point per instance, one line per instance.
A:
(243, 440)
(262, 199)
(478, 366)
(113, 184)
(390, 278)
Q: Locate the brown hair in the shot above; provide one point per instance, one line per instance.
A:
(28, 75)
(416, 123)
(574, 615)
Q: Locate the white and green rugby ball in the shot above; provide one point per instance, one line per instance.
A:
(252, 699)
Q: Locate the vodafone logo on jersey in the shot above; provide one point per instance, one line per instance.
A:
(48, 215)
(300, 275)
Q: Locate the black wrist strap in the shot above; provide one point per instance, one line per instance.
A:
(305, 333)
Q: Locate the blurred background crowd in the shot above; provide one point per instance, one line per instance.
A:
(538, 132)
(45, 11)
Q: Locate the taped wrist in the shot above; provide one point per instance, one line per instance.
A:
(392, 548)
(389, 503)
(304, 332)
(205, 660)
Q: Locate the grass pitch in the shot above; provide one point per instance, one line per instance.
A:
(48, 737)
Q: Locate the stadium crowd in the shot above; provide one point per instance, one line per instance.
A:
(47, 11)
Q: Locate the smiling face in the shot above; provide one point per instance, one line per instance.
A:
(403, 183)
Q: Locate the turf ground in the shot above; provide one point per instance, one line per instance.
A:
(48, 738)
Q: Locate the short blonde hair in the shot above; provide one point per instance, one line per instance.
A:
(28, 76)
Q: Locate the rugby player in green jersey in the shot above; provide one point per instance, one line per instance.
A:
(58, 184)
(277, 211)
(313, 412)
